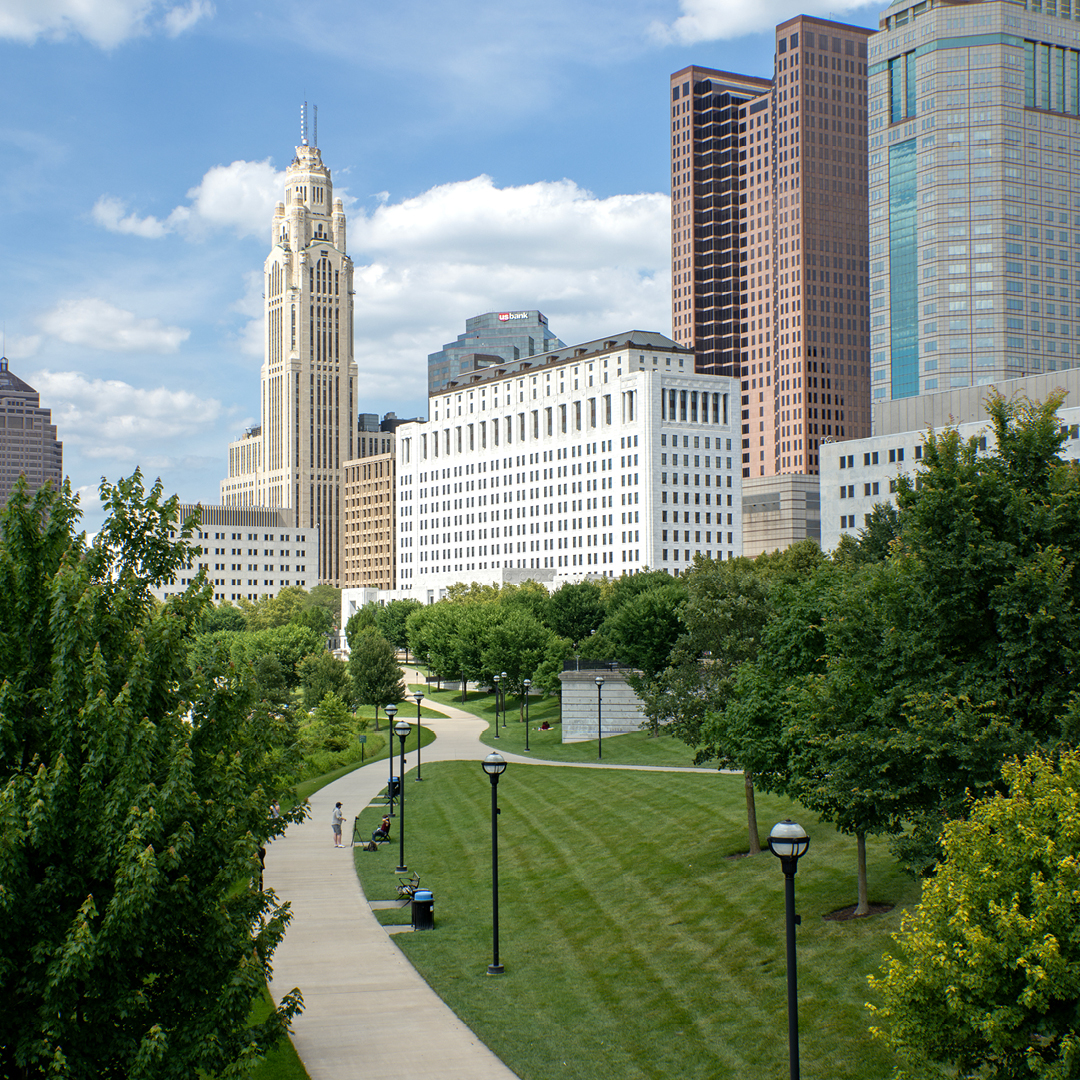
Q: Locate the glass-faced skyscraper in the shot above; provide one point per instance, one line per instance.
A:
(974, 164)
(294, 459)
(494, 338)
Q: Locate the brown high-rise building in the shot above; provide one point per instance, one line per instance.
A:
(28, 444)
(770, 275)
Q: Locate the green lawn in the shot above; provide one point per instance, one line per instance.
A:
(633, 748)
(634, 946)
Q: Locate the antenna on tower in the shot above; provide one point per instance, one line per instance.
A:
(315, 118)
(303, 124)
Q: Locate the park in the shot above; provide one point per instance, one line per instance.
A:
(170, 770)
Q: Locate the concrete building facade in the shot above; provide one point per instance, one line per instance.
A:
(295, 458)
(597, 460)
(974, 194)
(248, 553)
(28, 443)
(857, 476)
(769, 239)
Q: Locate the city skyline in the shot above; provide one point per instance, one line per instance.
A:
(150, 145)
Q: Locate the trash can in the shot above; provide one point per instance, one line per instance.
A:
(393, 788)
(423, 910)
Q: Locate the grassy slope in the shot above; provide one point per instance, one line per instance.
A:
(633, 748)
(633, 947)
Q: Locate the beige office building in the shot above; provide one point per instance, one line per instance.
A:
(295, 458)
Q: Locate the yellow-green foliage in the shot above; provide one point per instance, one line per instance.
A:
(986, 978)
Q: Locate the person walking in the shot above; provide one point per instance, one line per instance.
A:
(336, 823)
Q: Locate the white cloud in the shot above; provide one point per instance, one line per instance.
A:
(107, 418)
(722, 20)
(179, 19)
(593, 266)
(105, 23)
(239, 197)
(98, 324)
(109, 212)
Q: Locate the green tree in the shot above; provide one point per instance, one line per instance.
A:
(646, 625)
(322, 673)
(224, 616)
(334, 724)
(133, 799)
(516, 642)
(366, 618)
(986, 976)
(326, 598)
(874, 540)
(289, 644)
(392, 621)
(575, 610)
(376, 677)
(272, 611)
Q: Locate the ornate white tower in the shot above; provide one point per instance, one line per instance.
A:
(308, 403)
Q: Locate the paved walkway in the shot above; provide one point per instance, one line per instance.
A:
(368, 1015)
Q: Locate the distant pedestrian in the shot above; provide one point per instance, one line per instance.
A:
(336, 823)
(275, 809)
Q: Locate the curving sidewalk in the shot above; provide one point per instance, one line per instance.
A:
(368, 1015)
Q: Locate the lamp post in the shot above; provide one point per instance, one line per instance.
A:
(494, 766)
(527, 683)
(504, 686)
(495, 680)
(788, 842)
(419, 695)
(599, 725)
(391, 712)
(401, 730)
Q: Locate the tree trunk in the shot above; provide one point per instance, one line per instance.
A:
(863, 906)
(751, 813)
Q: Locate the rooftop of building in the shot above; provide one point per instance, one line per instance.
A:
(645, 340)
(10, 382)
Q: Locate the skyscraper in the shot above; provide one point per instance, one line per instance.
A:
(28, 443)
(492, 339)
(769, 245)
(974, 193)
(294, 458)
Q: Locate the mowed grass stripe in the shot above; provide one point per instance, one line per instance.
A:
(634, 948)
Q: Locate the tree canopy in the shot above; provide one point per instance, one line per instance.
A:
(986, 976)
(134, 935)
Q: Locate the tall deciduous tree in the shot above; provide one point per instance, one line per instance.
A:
(322, 673)
(376, 677)
(986, 977)
(134, 936)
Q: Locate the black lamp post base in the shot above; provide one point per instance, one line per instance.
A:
(495, 969)
(400, 869)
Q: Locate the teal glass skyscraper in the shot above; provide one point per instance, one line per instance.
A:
(974, 164)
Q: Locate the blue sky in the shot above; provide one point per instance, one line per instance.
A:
(491, 155)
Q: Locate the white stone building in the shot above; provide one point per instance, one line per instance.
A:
(294, 458)
(248, 553)
(601, 459)
(857, 475)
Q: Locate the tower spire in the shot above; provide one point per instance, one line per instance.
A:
(303, 124)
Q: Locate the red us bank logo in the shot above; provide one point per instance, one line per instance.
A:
(506, 316)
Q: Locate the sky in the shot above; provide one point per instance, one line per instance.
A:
(491, 156)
